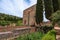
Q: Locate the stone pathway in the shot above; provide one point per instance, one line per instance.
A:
(57, 33)
(58, 37)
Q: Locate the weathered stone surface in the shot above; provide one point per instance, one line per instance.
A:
(57, 32)
(29, 15)
(16, 33)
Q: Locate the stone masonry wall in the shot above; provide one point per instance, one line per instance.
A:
(9, 35)
(29, 16)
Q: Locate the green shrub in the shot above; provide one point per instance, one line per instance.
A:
(9, 19)
(38, 36)
(47, 28)
(3, 23)
(50, 35)
(56, 17)
(32, 36)
(19, 23)
(44, 28)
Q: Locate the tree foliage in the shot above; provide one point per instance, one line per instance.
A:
(56, 17)
(59, 4)
(8, 19)
(55, 5)
(39, 12)
(50, 35)
(48, 8)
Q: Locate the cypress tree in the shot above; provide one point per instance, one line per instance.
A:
(48, 8)
(39, 11)
(59, 4)
(55, 5)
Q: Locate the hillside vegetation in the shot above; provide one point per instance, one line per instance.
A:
(9, 19)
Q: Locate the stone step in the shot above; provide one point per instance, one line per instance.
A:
(57, 30)
(57, 37)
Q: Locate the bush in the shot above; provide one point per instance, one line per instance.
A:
(19, 23)
(3, 23)
(32, 36)
(47, 28)
(44, 28)
(38, 36)
(56, 18)
(9, 19)
(50, 35)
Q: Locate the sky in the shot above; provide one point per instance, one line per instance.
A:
(15, 7)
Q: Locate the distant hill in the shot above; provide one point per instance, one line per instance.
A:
(6, 19)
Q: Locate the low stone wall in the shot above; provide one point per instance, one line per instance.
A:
(16, 32)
